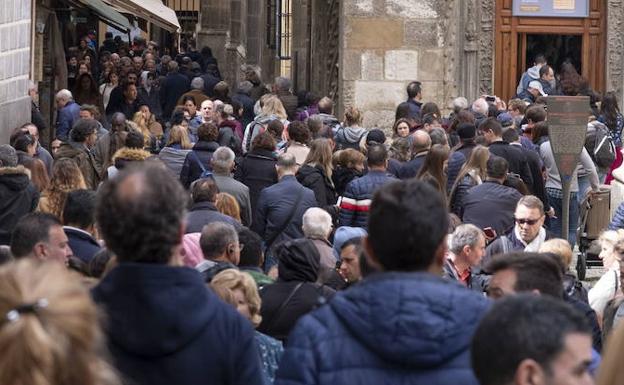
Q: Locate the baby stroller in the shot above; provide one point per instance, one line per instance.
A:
(594, 219)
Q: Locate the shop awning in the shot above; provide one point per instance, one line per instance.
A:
(153, 11)
(108, 14)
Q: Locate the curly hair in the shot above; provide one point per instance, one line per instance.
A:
(66, 177)
(140, 213)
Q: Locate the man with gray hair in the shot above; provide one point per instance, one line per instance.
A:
(18, 196)
(196, 92)
(219, 244)
(68, 113)
(421, 143)
(280, 207)
(222, 162)
(317, 226)
(281, 88)
(466, 248)
(459, 104)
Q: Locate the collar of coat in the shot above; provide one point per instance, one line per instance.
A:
(131, 154)
(15, 170)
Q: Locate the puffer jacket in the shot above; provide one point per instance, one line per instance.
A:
(124, 157)
(18, 197)
(356, 200)
(299, 263)
(419, 333)
(174, 158)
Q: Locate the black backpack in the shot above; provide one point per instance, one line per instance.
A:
(599, 144)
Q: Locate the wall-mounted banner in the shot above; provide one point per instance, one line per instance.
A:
(551, 8)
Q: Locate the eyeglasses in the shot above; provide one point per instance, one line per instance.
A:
(529, 222)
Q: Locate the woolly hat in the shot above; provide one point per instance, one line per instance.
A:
(8, 156)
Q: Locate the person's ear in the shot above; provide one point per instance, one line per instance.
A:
(466, 249)
(39, 250)
(529, 372)
(371, 258)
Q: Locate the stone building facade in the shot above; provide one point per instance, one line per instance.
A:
(15, 32)
(364, 52)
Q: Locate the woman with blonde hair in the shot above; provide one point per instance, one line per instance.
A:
(471, 174)
(350, 134)
(66, 177)
(316, 174)
(239, 290)
(49, 333)
(607, 287)
(175, 151)
(140, 120)
(272, 105)
(227, 205)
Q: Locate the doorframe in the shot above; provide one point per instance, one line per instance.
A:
(593, 30)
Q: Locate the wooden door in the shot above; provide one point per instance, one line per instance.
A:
(510, 42)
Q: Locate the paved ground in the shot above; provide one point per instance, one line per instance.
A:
(593, 273)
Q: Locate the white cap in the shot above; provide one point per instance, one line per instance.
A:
(538, 86)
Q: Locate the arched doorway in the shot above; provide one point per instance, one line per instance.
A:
(519, 39)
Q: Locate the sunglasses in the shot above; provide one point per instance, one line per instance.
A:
(529, 222)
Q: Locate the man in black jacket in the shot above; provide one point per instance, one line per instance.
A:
(491, 204)
(174, 86)
(421, 143)
(518, 164)
(165, 326)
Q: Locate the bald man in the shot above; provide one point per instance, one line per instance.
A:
(421, 143)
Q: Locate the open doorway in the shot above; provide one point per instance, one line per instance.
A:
(557, 49)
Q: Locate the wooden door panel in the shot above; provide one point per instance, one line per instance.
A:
(509, 31)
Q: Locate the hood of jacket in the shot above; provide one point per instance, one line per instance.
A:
(299, 260)
(68, 150)
(533, 72)
(206, 146)
(131, 154)
(170, 306)
(415, 319)
(309, 172)
(329, 120)
(15, 178)
(354, 134)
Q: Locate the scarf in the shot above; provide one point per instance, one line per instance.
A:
(534, 245)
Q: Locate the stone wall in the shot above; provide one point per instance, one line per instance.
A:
(385, 45)
(15, 18)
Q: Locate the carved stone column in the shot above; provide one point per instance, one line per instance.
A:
(615, 48)
(486, 46)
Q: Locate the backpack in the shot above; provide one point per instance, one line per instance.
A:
(205, 173)
(599, 144)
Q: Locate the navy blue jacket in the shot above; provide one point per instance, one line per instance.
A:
(410, 169)
(83, 245)
(356, 200)
(165, 327)
(174, 86)
(491, 204)
(191, 170)
(275, 203)
(618, 218)
(392, 328)
(203, 213)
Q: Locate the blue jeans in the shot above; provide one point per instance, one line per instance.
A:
(584, 187)
(556, 202)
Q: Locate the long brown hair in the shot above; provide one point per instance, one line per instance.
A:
(321, 155)
(433, 166)
(477, 162)
(66, 177)
(38, 173)
(58, 338)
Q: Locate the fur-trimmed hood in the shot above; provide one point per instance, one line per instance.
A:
(15, 178)
(131, 154)
(125, 155)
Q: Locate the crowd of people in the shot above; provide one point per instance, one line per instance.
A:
(254, 237)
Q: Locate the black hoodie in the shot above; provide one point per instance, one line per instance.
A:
(18, 197)
(165, 327)
(299, 263)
